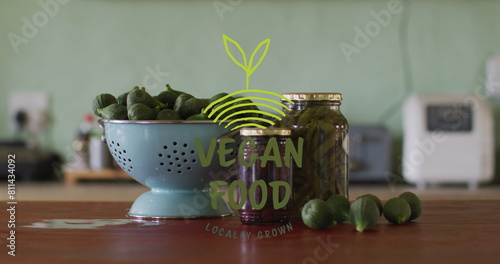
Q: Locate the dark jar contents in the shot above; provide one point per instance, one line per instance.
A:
(266, 176)
(316, 118)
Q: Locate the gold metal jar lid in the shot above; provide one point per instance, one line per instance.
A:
(313, 96)
(270, 131)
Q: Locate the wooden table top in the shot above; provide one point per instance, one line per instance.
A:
(99, 232)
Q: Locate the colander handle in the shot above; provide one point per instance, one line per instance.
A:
(101, 125)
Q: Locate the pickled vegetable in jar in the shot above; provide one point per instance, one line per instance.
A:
(266, 175)
(316, 117)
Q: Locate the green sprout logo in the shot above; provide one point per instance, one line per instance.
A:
(225, 108)
(248, 67)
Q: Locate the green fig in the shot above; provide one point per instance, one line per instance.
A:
(174, 91)
(200, 116)
(219, 96)
(247, 109)
(101, 101)
(340, 206)
(113, 112)
(179, 103)
(140, 111)
(139, 95)
(414, 202)
(317, 214)
(376, 200)
(193, 106)
(168, 98)
(220, 109)
(167, 114)
(397, 211)
(122, 99)
(364, 213)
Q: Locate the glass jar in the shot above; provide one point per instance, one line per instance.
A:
(265, 175)
(316, 117)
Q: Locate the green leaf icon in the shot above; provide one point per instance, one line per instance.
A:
(265, 42)
(226, 39)
(249, 68)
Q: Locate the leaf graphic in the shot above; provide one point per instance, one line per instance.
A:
(266, 42)
(225, 40)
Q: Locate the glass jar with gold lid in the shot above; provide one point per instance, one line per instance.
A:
(265, 176)
(316, 117)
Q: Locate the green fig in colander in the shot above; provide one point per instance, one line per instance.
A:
(246, 107)
(101, 101)
(168, 98)
(200, 116)
(219, 96)
(216, 98)
(140, 96)
(220, 109)
(113, 112)
(140, 111)
(167, 114)
(122, 99)
(179, 103)
(169, 88)
(193, 106)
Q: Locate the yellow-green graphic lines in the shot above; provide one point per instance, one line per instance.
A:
(238, 109)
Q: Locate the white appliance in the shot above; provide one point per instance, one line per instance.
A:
(447, 139)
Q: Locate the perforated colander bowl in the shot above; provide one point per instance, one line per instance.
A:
(163, 155)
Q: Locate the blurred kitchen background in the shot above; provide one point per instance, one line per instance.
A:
(57, 55)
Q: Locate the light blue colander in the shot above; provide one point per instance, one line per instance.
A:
(162, 155)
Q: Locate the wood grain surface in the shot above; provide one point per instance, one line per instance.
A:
(447, 232)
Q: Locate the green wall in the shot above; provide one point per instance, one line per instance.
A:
(94, 46)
